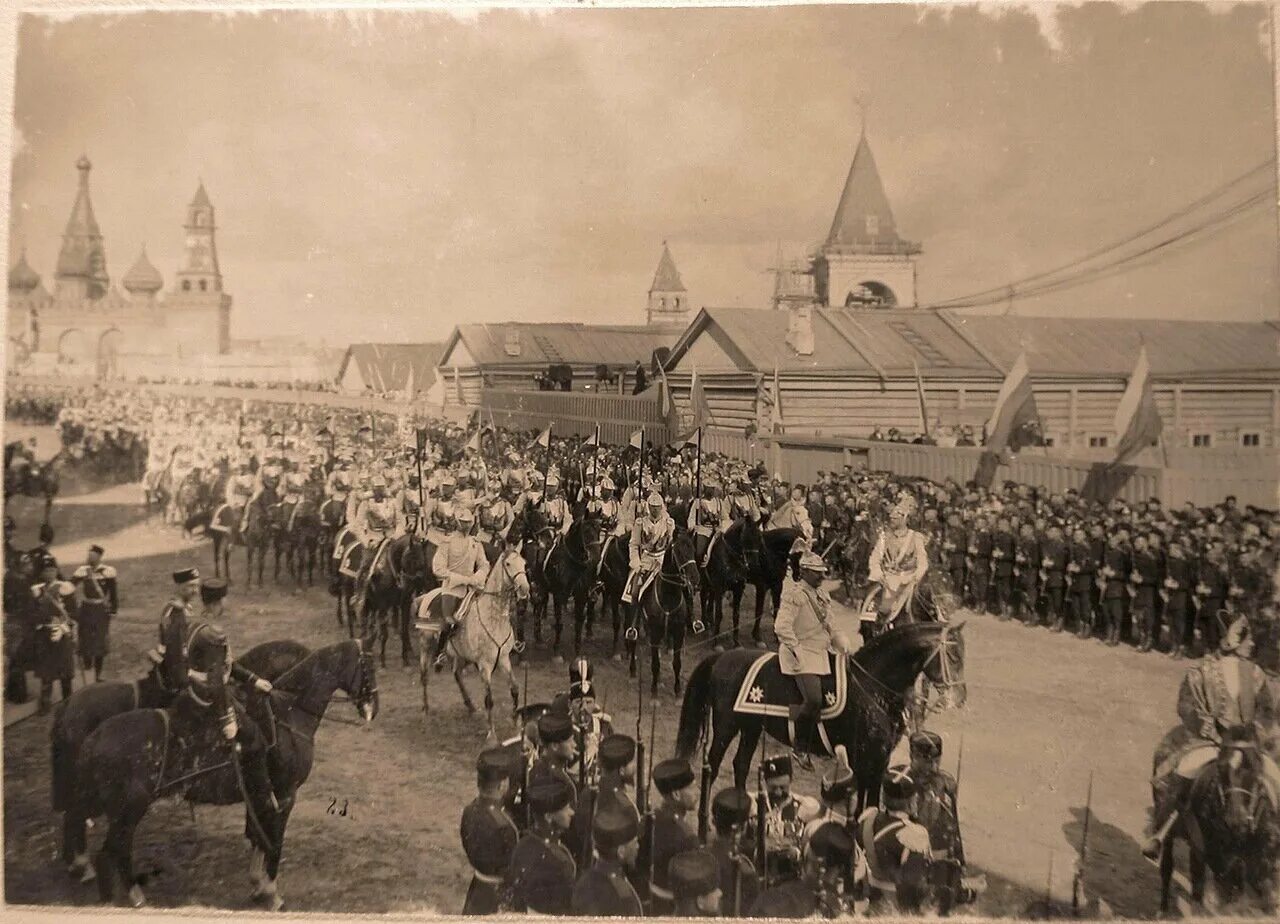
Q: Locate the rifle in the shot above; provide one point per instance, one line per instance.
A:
(762, 812)
(704, 786)
(644, 863)
(1077, 882)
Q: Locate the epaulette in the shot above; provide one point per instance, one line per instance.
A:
(81, 572)
(914, 837)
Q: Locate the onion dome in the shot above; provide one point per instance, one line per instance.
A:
(143, 277)
(22, 278)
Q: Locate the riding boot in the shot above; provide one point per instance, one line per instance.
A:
(46, 697)
(440, 655)
(262, 799)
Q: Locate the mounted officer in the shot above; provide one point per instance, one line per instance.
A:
(378, 520)
(897, 564)
(708, 519)
(1222, 693)
(461, 567)
(650, 538)
(559, 517)
(805, 634)
(206, 703)
(170, 655)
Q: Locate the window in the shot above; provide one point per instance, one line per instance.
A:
(1251, 439)
(1099, 442)
(186, 285)
(677, 305)
(1201, 440)
(204, 285)
(1048, 441)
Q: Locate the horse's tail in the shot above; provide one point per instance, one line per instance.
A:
(693, 711)
(63, 762)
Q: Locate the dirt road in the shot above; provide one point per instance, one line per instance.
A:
(1044, 711)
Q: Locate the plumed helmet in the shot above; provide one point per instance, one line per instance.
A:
(655, 499)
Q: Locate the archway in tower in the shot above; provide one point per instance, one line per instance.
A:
(108, 353)
(870, 294)
(74, 347)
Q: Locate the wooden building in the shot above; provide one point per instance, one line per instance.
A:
(1216, 384)
(390, 368)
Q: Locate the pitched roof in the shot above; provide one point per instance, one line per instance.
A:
(863, 218)
(544, 344)
(1109, 346)
(943, 344)
(667, 278)
(386, 366)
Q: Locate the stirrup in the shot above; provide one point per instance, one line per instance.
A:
(631, 635)
(699, 627)
(518, 647)
(802, 760)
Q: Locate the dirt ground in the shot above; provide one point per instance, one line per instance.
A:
(1044, 712)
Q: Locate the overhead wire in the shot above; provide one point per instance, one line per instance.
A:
(1079, 271)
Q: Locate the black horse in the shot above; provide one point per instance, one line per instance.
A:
(765, 556)
(75, 718)
(612, 580)
(665, 606)
(134, 758)
(1231, 826)
(569, 574)
(724, 573)
(402, 572)
(879, 678)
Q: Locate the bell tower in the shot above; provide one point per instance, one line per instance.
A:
(200, 272)
(199, 311)
(668, 299)
(864, 263)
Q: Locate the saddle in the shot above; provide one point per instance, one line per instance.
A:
(765, 691)
(429, 620)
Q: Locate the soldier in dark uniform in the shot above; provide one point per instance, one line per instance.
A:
(542, 871)
(1144, 580)
(55, 613)
(488, 834)
(739, 884)
(695, 882)
(1081, 568)
(1003, 551)
(170, 653)
(605, 890)
(556, 752)
(937, 811)
(98, 600)
(896, 848)
(675, 827)
(1053, 572)
(206, 701)
(955, 543)
(1113, 577)
(978, 562)
(1212, 581)
(1098, 546)
(1026, 573)
(1175, 591)
(817, 892)
(787, 814)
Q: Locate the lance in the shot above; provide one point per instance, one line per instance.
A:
(704, 785)
(640, 473)
(421, 444)
(1077, 883)
(959, 763)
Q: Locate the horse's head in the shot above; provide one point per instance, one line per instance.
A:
(945, 667)
(589, 535)
(363, 688)
(683, 558)
(1238, 777)
(511, 566)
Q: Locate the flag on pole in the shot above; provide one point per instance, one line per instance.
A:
(474, 442)
(775, 410)
(543, 439)
(698, 402)
(1137, 419)
(924, 408)
(594, 438)
(1013, 423)
(670, 413)
(636, 441)
(1015, 417)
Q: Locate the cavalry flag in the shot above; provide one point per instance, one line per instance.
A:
(474, 442)
(670, 413)
(636, 441)
(543, 439)
(1137, 419)
(924, 408)
(594, 438)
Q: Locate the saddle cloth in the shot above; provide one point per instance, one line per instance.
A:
(425, 620)
(352, 560)
(225, 519)
(766, 691)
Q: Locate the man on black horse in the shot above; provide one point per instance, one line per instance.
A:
(378, 520)
(650, 538)
(805, 634)
(708, 519)
(207, 701)
(1221, 694)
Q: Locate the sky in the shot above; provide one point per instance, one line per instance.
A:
(386, 175)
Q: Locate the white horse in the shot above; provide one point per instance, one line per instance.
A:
(484, 638)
